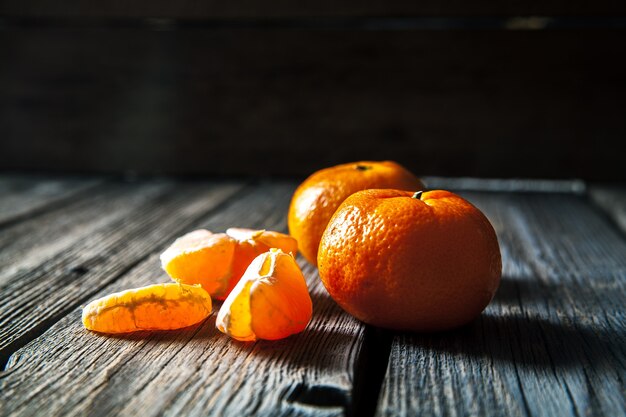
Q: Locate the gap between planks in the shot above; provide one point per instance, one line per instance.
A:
(308, 374)
(304, 395)
(548, 344)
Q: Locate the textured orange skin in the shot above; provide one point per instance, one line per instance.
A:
(317, 198)
(155, 307)
(404, 263)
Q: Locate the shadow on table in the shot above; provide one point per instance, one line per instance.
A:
(528, 341)
(512, 291)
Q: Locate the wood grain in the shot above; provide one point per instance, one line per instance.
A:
(285, 9)
(196, 371)
(35, 297)
(187, 100)
(502, 185)
(25, 196)
(552, 341)
(612, 200)
(34, 241)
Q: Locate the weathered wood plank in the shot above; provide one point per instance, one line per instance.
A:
(550, 344)
(33, 299)
(32, 242)
(500, 185)
(169, 99)
(285, 9)
(23, 196)
(197, 371)
(612, 200)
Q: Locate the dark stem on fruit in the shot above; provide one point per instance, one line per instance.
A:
(363, 167)
(418, 195)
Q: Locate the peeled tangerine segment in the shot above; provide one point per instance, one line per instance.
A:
(155, 307)
(201, 257)
(250, 244)
(264, 238)
(271, 301)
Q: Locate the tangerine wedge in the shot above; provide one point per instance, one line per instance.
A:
(218, 261)
(250, 244)
(155, 307)
(201, 257)
(271, 301)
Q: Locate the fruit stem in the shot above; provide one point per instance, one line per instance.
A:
(363, 167)
(418, 195)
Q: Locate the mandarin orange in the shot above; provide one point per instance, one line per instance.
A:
(155, 307)
(271, 301)
(410, 261)
(201, 257)
(250, 244)
(217, 261)
(317, 198)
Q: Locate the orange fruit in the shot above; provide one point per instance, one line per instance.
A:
(317, 198)
(155, 307)
(271, 301)
(252, 243)
(201, 257)
(217, 261)
(420, 262)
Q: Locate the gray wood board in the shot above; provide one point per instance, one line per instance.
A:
(612, 200)
(552, 341)
(34, 241)
(247, 9)
(150, 216)
(195, 371)
(500, 185)
(26, 195)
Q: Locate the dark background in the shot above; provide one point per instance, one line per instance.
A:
(507, 89)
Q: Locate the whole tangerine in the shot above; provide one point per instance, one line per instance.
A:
(317, 198)
(424, 261)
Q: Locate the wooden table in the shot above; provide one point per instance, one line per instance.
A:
(552, 342)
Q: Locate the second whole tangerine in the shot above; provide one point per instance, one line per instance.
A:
(410, 261)
(317, 198)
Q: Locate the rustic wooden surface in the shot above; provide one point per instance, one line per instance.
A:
(613, 199)
(552, 343)
(26, 196)
(188, 9)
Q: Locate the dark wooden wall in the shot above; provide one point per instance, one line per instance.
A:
(447, 88)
